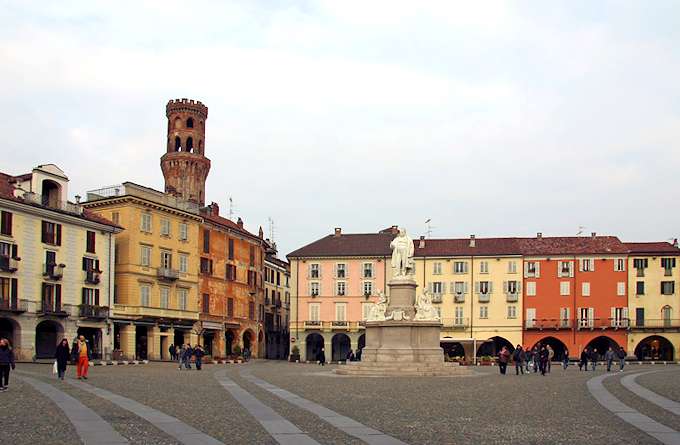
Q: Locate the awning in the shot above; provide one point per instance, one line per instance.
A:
(212, 325)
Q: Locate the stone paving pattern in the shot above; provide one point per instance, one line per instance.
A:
(485, 408)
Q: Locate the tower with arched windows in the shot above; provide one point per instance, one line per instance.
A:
(184, 164)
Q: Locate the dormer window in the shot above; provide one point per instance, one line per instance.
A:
(51, 193)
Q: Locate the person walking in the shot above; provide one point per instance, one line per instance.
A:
(609, 358)
(622, 359)
(6, 362)
(503, 358)
(565, 359)
(350, 356)
(529, 357)
(593, 358)
(321, 357)
(61, 356)
(551, 355)
(171, 350)
(188, 352)
(80, 353)
(544, 357)
(537, 357)
(518, 357)
(583, 362)
(199, 353)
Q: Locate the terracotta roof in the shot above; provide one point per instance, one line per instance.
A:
(571, 245)
(461, 246)
(353, 244)
(221, 221)
(652, 247)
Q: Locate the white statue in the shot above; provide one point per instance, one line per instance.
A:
(377, 311)
(402, 255)
(424, 308)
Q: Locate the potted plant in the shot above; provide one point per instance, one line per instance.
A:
(295, 354)
(486, 360)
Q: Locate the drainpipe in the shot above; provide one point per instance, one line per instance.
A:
(472, 309)
(297, 305)
(111, 272)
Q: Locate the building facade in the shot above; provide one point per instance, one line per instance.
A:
(157, 263)
(276, 305)
(56, 268)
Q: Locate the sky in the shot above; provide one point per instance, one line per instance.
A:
(488, 118)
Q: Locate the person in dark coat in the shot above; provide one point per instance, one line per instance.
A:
(6, 362)
(544, 355)
(188, 352)
(518, 357)
(350, 356)
(198, 354)
(503, 359)
(594, 356)
(565, 358)
(583, 363)
(171, 350)
(62, 355)
(322, 357)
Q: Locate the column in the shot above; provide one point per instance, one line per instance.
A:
(328, 348)
(127, 341)
(154, 343)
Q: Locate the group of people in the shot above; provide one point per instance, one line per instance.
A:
(183, 354)
(80, 353)
(352, 357)
(540, 357)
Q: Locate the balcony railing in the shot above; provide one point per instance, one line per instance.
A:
(436, 298)
(50, 307)
(92, 276)
(640, 272)
(313, 324)
(484, 298)
(456, 323)
(658, 323)
(91, 311)
(9, 264)
(549, 323)
(459, 298)
(64, 206)
(13, 305)
(512, 297)
(339, 324)
(53, 271)
(165, 273)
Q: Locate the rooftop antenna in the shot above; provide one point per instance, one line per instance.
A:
(231, 208)
(270, 221)
(428, 228)
(580, 230)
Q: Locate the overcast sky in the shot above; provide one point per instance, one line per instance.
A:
(498, 119)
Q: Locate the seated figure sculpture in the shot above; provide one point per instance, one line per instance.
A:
(424, 308)
(377, 311)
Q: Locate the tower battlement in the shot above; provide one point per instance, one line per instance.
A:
(185, 105)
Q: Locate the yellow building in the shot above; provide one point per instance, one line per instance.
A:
(653, 301)
(157, 263)
(55, 267)
(477, 286)
(276, 305)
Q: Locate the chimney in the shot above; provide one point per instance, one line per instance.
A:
(675, 242)
(539, 235)
(338, 231)
(239, 222)
(261, 233)
(472, 241)
(593, 234)
(421, 245)
(214, 209)
(77, 199)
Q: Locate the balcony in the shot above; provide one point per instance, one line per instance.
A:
(53, 271)
(13, 305)
(640, 272)
(90, 311)
(167, 274)
(146, 311)
(50, 307)
(340, 325)
(92, 276)
(44, 201)
(312, 324)
(436, 298)
(549, 323)
(654, 324)
(459, 298)
(601, 323)
(512, 297)
(9, 264)
(484, 298)
(456, 323)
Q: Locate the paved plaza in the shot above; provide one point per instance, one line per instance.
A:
(266, 402)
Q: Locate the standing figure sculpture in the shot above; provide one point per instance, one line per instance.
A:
(402, 255)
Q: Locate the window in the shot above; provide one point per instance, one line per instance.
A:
(512, 311)
(668, 264)
(530, 319)
(314, 312)
(484, 287)
(666, 313)
(206, 266)
(619, 317)
(565, 269)
(460, 288)
(368, 270)
(640, 265)
(278, 278)
(512, 266)
(639, 317)
(145, 225)
(183, 232)
(252, 255)
(437, 288)
(90, 242)
(340, 288)
(341, 270)
(437, 268)
(365, 310)
(532, 269)
(564, 317)
(460, 267)
(8, 292)
(586, 317)
(314, 289)
(340, 311)
(190, 123)
(165, 297)
(587, 265)
(667, 287)
(115, 217)
(458, 319)
(484, 267)
(231, 249)
(206, 303)
(231, 272)
(166, 259)
(619, 265)
(585, 289)
(483, 312)
(182, 299)
(314, 271)
(368, 288)
(621, 288)
(252, 278)
(144, 293)
(206, 241)
(564, 288)
(512, 287)
(90, 297)
(145, 256)
(165, 227)
(531, 288)
(640, 288)
(183, 263)
(230, 307)
(51, 233)
(6, 223)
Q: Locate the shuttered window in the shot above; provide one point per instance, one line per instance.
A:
(6, 223)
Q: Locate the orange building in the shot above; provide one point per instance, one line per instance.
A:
(575, 293)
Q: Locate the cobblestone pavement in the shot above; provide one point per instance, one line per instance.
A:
(485, 408)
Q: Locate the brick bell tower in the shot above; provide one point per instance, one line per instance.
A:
(184, 164)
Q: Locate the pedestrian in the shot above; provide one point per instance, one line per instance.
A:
(583, 362)
(593, 358)
(179, 356)
(6, 362)
(609, 358)
(503, 358)
(199, 353)
(350, 356)
(81, 354)
(61, 356)
(188, 352)
(529, 357)
(518, 357)
(565, 359)
(171, 350)
(537, 357)
(321, 357)
(622, 359)
(551, 355)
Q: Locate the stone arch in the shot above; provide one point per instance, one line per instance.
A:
(313, 344)
(190, 123)
(11, 330)
(178, 144)
(51, 193)
(655, 347)
(178, 123)
(340, 345)
(47, 334)
(493, 346)
(190, 144)
(602, 343)
(556, 345)
(248, 338)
